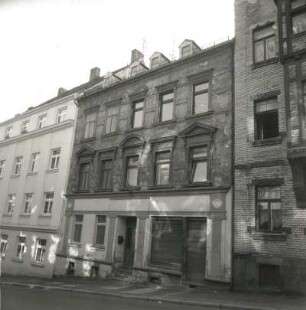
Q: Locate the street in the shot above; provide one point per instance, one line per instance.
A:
(23, 298)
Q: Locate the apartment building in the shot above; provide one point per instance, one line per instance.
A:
(269, 213)
(150, 186)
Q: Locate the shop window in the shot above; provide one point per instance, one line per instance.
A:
(90, 126)
(40, 250)
(200, 98)
(78, 225)
(132, 170)
(198, 164)
(21, 246)
(166, 106)
(269, 276)
(100, 230)
(266, 119)
(3, 244)
(264, 44)
(167, 242)
(137, 114)
(162, 168)
(106, 174)
(84, 176)
(269, 213)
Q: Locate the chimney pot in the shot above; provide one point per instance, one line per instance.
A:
(136, 56)
(94, 73)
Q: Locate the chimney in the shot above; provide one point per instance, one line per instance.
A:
(94, 74)
(136, 55)
(61, 90)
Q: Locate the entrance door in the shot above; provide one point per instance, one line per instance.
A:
(129, 248)
(196, 250)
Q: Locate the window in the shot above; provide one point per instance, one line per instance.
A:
(21, 246)
(11, 203)
(304, 100)
(42, 121)
(40, 250)
(28, 203)
(266, 119)
(25, 126)
(8, 132)
(162, 168)
(84, 176)
(2, 167)
(48, 203)
(166, 106)
(18, 164)
(137, 114)
(186, 50)
(134, 70)
(3, 244)
(54, 160)
(132, 171)
(200, 98)
(167, 241)
(299, 22)
(264, 44)
(106, 174)
(78, 224)
(34, 162)
(269, 208)
(269, 276)
(154, 62)
(111, 120)
(198, 164)
(100, 230)
(61, 114)
(297, 3)
(90, 126)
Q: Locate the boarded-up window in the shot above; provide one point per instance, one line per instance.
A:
(167, 242)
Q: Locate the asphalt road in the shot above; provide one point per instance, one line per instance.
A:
(23, 298)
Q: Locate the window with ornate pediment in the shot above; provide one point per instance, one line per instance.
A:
(106, 157)
(85, 157)
(132, 148)
(198, 141)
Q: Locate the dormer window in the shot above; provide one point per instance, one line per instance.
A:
(154, 62)
(188, 48)
(134, 70)
(186, 51)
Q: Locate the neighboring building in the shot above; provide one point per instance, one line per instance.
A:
(150, 186)
(269, 220)
(35, 151)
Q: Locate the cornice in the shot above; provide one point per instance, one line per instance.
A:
(29, 228)
(38, 132)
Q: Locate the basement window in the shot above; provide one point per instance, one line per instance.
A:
(266, 119)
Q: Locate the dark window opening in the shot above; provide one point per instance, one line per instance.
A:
(70, 269)
(84, 176)
(269, 276)
(78, 224)
(94, 272)
(106, 174)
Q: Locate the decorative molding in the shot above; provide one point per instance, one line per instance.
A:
(28, 228)
(260, 164)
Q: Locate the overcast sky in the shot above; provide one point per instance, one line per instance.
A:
(47, 44)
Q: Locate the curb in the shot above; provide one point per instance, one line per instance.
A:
(143, 298)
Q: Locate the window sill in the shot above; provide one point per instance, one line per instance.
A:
(25, 215)
(110, 134)
(200, 114)
(7, 215)
(15, 176)
(130, 189)
(135, 129)
(45, 215)
(17, 260)
(101, 190)
(51, 170)
(88, 139)
(32, 173)
(264, 63)
(269, 236)
(199, 184)
(98, 247)
(81, 191)
(160, 186)
(75, 244)
(37, 264)
(271, 141)
(165, 122)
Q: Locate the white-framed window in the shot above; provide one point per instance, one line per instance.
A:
(54, 159)
(28, 202)
(111, 120)
(78, 225)
(166, 106)
(11, 203)
(100, 230)
(25, 126)
(8, 132)
(40, 250)
(34, 162)
(61, 114)
(48, 202)
(21, 246)
(42, 121)
(90, 126)
(18, 165)
(2, 167)
(3, 244)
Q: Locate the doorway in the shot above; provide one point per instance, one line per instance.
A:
(129, 247)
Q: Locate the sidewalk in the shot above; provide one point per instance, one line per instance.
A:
(151, 292)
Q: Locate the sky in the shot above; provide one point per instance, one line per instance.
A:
(47, 44)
